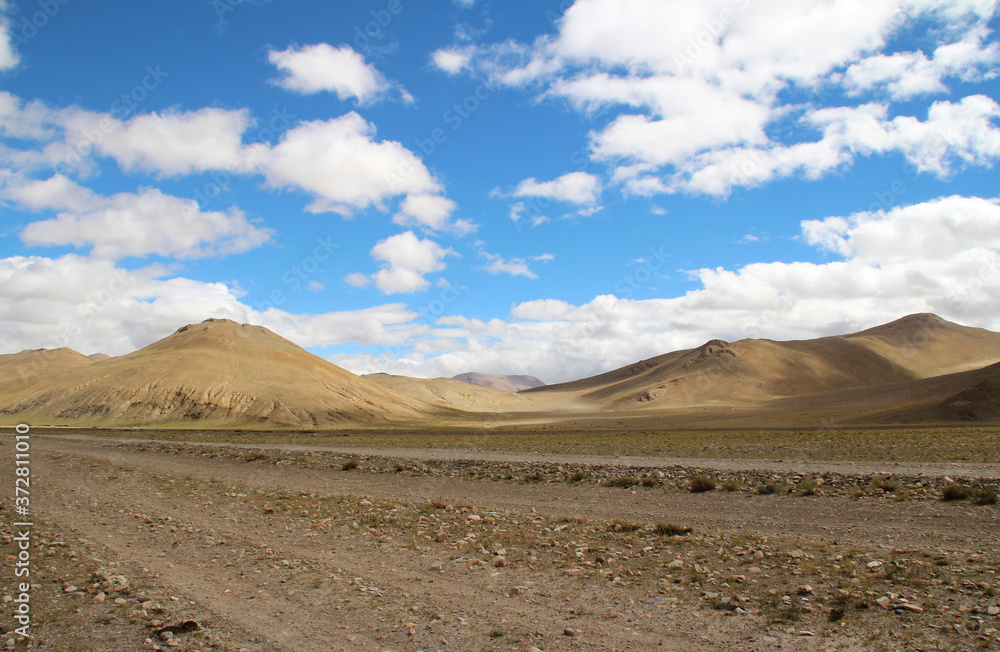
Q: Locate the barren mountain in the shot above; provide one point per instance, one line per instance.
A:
(504, 383)
(756, 371)
(449, 392)
(218, 373)
(19, 371)
(99, 357)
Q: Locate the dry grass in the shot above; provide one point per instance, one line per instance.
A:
(954, 492)
(701, 483)
(931, 444)
(665, 529)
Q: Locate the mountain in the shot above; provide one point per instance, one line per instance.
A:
(99, 357)
(217, 373)
(19, 371)
(757, 371)
(449, 392)
(504, 383)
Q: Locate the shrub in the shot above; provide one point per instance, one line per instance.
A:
(701, 483)
(767, 489)
(624, 481)
(579, 476)
(954, 492)
(731, 485)
(984, 496)
(885, 484)
(350, 465)
(807, 487)
(665, 529)
(650, 481)
(624, 526)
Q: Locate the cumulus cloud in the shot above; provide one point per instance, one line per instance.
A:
(686, 92)
(405, 261)
(322, 67)
(133, 224)
(93, 305)
(344, 167)
(169, 143)
(940, 256)
(572, 188)
(338, 161)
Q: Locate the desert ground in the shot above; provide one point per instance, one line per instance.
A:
(511, 540)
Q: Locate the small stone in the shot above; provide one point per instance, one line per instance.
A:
(758, 555)
(120, 600)
(437, 566)
(805, 589)
(441, 537)
(884, 602)
(912, 608)
(797, 554)
(518, 590)
(100, 597)
(993, 611)
(806, 632)
(473, 518)
(500, 562)
(676, 564)
(569, 632)
(70, 589)
(166, 635)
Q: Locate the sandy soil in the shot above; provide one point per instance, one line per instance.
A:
(275, 556)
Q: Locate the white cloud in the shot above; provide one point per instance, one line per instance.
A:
(429, 211)
(904, 75)
(941, 256)
(572, 188)
(322, 67)
(92, 305)
(406, 260)
(691, 91)
(127, 224)
(358, 280)
(340, 163)
(451, 61)
(171, 143)
(497, 264)
(9, 57)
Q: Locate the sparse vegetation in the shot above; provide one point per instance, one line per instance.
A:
(731, 485)
(768, 488)
(701, 483)
(984, 495)
(885, 484)
(350, 465)
(650, 481)
(625, 481)
(620, 525)
(665, 529)
(807, 487)
(951, 492)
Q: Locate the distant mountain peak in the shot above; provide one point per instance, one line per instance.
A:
(508, 383)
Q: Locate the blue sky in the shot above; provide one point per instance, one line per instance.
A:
(554, 188)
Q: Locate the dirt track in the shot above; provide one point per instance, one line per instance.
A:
(211, 531)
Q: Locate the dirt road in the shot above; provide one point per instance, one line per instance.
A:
(280, 557)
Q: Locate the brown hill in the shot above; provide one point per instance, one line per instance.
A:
(218, 373)
(99, 357)
(18, 371)
(509, 383)
(449, 392)
(756, 371)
